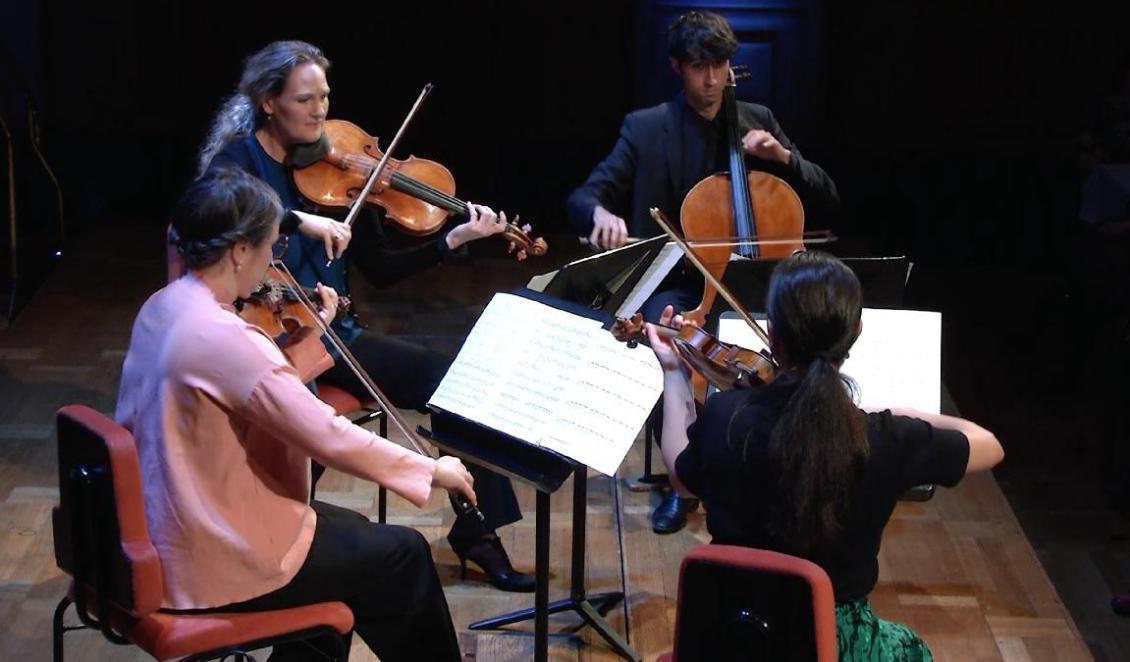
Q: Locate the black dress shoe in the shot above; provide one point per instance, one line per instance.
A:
(488, 554)
(671, 515)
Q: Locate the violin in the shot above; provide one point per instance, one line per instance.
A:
(741, 203)
(723, 365)
(277, 308)
(417, 194)
(460, 503)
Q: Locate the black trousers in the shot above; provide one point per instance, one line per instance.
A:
(408, 374)
(386, 576)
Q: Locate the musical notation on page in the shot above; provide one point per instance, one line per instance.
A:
(553, 379)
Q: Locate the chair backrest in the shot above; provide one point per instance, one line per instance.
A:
(101, 537)
(739, 603)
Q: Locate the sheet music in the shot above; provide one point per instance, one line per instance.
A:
(668, 257)
(552, 379)
(896, 362)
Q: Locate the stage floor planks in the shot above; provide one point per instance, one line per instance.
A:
(958, 569)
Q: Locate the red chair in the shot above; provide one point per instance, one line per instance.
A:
(740, 603)
(102, 541)
(346, 404)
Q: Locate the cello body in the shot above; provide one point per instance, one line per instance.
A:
(761, 205)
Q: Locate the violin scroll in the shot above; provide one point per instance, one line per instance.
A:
(521, 241)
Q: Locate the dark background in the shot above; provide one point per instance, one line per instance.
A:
(951, 128)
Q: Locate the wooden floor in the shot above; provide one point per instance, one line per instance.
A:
(957, 569)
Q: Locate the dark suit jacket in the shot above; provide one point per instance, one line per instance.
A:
(645, 169)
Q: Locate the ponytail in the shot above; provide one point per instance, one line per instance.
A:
(818, 446)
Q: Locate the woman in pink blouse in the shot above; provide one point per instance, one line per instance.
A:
(226, 431)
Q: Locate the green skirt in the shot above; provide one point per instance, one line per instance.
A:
(860, 635)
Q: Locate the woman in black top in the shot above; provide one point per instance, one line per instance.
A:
(280, 105)
(796, 467)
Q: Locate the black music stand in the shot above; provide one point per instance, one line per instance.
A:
(602, 281)
(545, 471)
(883, 280)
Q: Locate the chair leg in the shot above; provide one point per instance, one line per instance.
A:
(57, 629)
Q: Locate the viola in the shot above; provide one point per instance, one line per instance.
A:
(417, 194)
(461, 504)
(723, 365)
(277, 308)
(739, 203)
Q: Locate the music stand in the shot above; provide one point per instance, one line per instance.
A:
(883, 280)
(545, 471)
(602, 281)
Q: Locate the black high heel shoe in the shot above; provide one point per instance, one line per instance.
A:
(488, 554)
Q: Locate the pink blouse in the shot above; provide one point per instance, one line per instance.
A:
(225, 432)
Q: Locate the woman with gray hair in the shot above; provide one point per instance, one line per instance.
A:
(281, 105)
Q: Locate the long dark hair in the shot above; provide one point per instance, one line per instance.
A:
(818, 445)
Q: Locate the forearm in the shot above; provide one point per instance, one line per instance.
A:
(818, 185)
(678, 414)
(285, 410)
(383, 266)
(579, 208)
(608, 185)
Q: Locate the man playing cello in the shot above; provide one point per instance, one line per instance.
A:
(663, 151)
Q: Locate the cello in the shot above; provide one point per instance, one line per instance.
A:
(757, 204)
